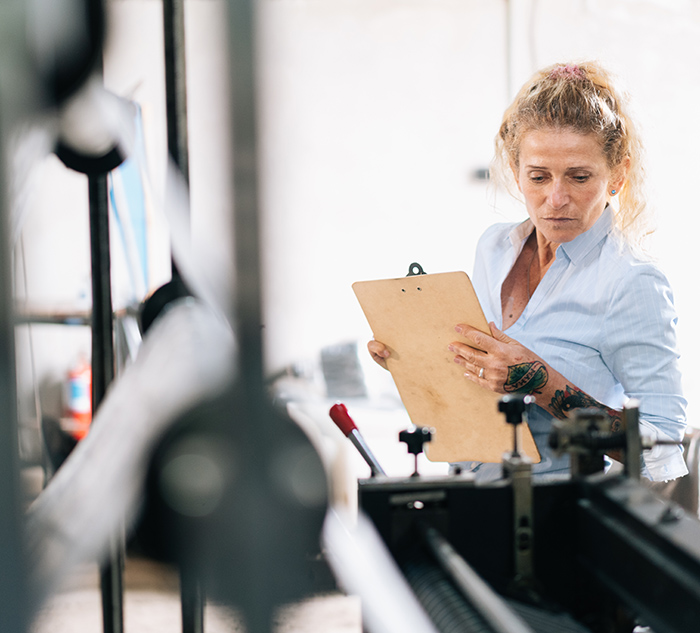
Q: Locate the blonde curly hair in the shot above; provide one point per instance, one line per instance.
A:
(580, 97)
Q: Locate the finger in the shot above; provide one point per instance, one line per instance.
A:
(498, 334)
(378, 348)
(466, 355)
(379, 352)
(477, 376)
(476, 338)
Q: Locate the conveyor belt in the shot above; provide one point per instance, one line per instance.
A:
(545, 621)
(452, 613)
(444, 603)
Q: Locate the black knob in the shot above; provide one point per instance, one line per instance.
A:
(415, 438)
(514, 406)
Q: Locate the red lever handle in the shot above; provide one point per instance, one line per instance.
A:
(339, 415)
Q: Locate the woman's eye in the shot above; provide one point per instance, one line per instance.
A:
(581, 178)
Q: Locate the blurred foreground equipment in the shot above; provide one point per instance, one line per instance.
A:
(186, 357)
(47, 49)
(587, 553)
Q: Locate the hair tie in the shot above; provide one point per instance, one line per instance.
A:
(570, 71)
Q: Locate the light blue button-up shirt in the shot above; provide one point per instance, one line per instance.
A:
(606, 321)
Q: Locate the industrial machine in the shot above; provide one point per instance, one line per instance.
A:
(238, 489)
(593, 552)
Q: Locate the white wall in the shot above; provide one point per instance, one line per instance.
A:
(654, 48)
(377, 113)
(374, 116)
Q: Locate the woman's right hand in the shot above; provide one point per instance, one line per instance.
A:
(379, 352)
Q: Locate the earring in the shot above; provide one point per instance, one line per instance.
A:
(613, 192)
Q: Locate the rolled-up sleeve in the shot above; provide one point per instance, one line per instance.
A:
(640, 349)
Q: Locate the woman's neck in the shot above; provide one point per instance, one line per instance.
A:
(546, 250)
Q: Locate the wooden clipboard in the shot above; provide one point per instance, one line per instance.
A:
(415, 317)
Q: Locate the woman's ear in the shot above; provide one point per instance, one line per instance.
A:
(619, 175)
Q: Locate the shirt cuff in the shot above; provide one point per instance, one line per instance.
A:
(663, 462)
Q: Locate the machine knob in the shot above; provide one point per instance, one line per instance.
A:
(414, 439)
(514, 406)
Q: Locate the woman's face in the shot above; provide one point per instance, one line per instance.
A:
(565, 180)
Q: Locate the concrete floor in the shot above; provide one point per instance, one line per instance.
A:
(152, 605)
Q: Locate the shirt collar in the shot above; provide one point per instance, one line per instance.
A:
(577, 248)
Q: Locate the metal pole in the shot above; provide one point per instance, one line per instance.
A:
(176, 83)
(191, 603)
(111, 574)
(191, 594)
(248, 301)
(254, 433)
(16, 95)
(13, 602)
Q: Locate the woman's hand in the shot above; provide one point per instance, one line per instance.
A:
(379, 352)
(501, 364)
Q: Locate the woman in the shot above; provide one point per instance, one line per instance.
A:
(578, 317)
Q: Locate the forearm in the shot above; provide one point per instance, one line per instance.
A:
(555, 394)
(509, 367)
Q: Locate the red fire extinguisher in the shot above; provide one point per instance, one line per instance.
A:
(79, 399)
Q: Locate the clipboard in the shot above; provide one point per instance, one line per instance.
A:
(415, 317)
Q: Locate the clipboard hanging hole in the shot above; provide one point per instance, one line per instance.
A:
(403, 289)
(419, 289)
(415, 269)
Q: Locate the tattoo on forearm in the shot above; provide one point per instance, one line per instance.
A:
(526, 378)
(570, 398)
(573, 398)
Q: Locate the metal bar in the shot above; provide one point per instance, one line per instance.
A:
(356, 438)
(67, 318)
(112, 586)
(492, 608)
(111, 581)
(520, 471)
(176, 91)
(644, 551)
(247, 301)
(255, 428)
(192, 602)
(176, 83)
(191, 594)
(13, 594)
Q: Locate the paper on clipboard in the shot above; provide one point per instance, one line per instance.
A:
(415, 317)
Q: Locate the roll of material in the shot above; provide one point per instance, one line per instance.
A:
(188, 355)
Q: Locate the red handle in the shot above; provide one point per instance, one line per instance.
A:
(339, 415)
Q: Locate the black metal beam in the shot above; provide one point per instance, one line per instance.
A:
(191, 594)
(13, 594)
(111, 573)
(176, 83)
(247, 308)
(645, 551)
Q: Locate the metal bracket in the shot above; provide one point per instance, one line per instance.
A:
(415, 269)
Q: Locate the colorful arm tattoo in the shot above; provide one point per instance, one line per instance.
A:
(526, 378)
(573, 398)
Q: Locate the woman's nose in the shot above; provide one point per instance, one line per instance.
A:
(558, 194)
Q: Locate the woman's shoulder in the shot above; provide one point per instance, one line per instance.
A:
(632, 270)
(631, 260)
(499, 232)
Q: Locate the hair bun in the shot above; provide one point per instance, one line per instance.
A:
(570, 71)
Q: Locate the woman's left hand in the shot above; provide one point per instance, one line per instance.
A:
(501, 364)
